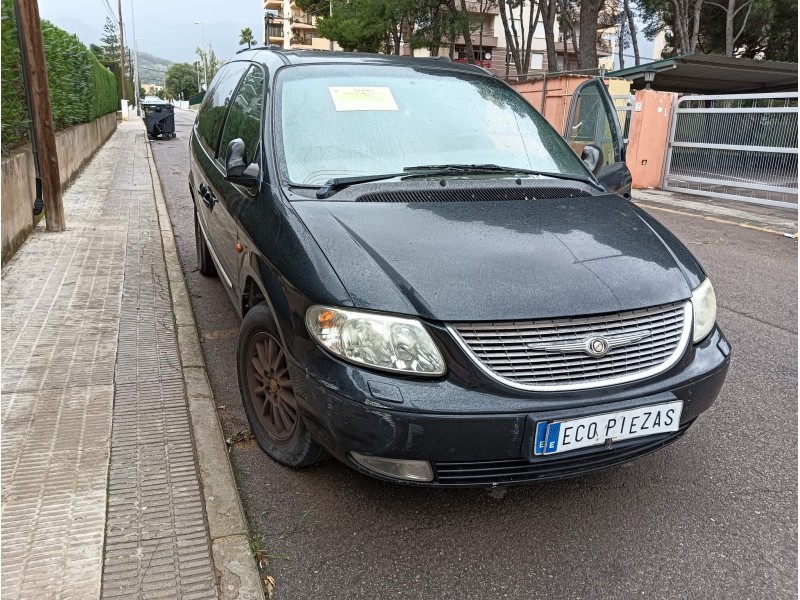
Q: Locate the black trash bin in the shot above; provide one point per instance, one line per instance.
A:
(159, 118)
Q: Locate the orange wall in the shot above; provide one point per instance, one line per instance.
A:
(557, 97)
(648, 138)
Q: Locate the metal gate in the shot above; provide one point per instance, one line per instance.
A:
(624, 105)
(738, 147)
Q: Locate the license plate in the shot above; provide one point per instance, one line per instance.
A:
(554, 437)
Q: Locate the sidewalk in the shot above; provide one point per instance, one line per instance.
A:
(115, 476)
(780, 221)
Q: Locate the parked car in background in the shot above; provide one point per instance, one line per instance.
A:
(434, 287)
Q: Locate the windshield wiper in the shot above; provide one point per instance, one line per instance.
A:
(342, 182)
(457, 169)
(339, 183)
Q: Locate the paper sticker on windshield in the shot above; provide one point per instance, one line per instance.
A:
(362, 98)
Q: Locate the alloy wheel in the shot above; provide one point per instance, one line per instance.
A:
(271, 387)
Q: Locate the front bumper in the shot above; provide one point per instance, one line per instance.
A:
(472, 435)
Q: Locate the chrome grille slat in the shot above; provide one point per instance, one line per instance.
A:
(646, 356)
(560, 323)
(501, 348)
(519, 345)
(576, 328)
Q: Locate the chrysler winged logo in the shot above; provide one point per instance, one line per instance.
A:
(596, 345)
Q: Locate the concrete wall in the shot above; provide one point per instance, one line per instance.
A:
(649, 136)
(75, 146)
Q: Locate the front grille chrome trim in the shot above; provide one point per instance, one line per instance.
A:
(673, 358)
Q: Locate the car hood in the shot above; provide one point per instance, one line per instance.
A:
(484, 261)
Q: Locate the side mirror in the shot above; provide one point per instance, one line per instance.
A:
(236, 169)
(592, 157)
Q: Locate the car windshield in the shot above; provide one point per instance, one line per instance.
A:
(348, 120)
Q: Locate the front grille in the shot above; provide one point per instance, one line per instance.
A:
(503, 349)
(559, 466)
(475, 195)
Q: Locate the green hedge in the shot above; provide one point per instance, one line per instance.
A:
(81, 88)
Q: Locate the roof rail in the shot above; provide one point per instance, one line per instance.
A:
(267, 47)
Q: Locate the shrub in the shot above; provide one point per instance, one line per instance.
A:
(81, 88)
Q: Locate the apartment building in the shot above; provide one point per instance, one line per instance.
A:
(292, 27)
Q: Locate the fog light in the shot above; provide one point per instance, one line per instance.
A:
(409, 470)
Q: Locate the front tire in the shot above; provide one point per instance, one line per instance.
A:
(268, 393)
(205, 264)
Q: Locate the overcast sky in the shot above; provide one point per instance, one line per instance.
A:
(166, 27)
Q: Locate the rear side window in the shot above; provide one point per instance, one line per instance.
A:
(212, 116)
(244, 119)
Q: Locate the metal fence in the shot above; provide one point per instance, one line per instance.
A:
(623, 103)
(739, 147)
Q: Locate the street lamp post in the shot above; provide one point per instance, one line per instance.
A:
(199, 89)
(205, 60)
(136, 80)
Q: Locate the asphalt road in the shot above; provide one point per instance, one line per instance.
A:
(712, 516)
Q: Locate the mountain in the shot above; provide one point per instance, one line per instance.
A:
(152, 68)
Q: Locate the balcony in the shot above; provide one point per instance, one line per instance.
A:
(274, 5)
(604, 47)
(303, 26)
(276, 39)
(302, 42)
(489, 41)
(475, 7)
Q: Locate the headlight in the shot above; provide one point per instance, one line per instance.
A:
(383, 342)
(704, 304)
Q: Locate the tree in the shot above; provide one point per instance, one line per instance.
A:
(109, 41)
(587, 37)
(358, 26)
(209, 61)
(518, 43)
(632, 31)
(770, 30)
(181, 80)
(549, 9)
(246, 37)
(433, 26)
(730, 15)
(365, 25)
(627, 34)
(687, 14)
(461, 17)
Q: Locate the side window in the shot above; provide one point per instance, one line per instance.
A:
(244, 119)
(212, 115)
(591, 122)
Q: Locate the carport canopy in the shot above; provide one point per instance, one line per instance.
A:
(714, 74)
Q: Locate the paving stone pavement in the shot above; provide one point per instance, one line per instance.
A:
(89, 340)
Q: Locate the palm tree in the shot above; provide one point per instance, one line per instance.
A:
(246, 37)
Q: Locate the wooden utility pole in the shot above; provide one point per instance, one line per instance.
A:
(121, 50)
(41, 114)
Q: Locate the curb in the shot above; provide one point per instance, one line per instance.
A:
(777, 232)
(234, 566)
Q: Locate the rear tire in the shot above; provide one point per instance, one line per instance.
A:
(205, 264)
(268, 393)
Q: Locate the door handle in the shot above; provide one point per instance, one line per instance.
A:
(209, 199)
(203, 189)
